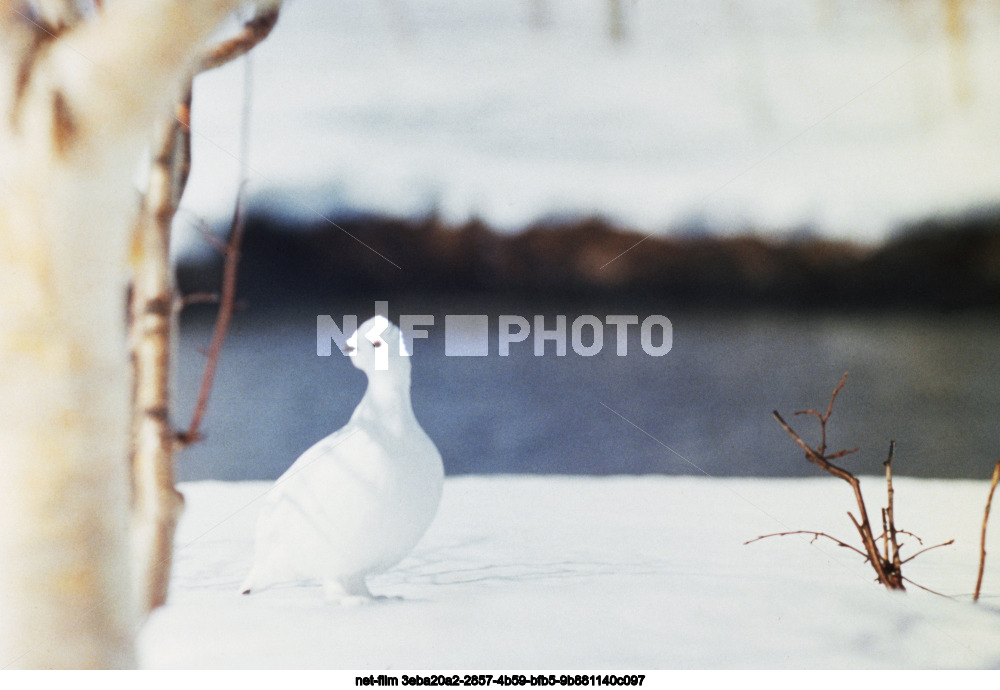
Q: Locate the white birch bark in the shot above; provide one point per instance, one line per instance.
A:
(156, 503)
(75, 112)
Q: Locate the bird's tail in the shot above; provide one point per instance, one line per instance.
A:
(248, 583)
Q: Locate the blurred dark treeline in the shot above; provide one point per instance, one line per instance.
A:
(942, 264)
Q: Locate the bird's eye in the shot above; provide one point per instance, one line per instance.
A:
(377, 343)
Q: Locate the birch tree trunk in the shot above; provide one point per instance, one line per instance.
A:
(156, 503)
(76, 109)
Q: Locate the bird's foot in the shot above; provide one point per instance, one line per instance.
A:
(354, 600)
(353, 593)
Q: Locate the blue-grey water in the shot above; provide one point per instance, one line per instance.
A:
(931, 382)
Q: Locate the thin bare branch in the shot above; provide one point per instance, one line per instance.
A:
(886, 562)
(929, 548)
(811, 412)
(816, 535)
(885, 531)
(864, 527)
(824, 418)
(822, 427)
(253, 32)
(902, 531)
(227, 301)
(889, 515)
(865, 531)
(833, 397)
(233, 249)
(982, 537)
(926, 589)
(811, 454)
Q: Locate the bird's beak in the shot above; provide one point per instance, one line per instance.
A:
(348, 349)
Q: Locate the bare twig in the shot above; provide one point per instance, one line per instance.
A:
(227, 301)
(833, 396)
(886, 562)
(880, 566)
(926, 589)
(929, 548)
(816, 535)
(885, 531)
(254, 31)
(817, 458)
(982, 538)
(890, 537)
(814, 455)
(824, 418)
(901, 531)
(231, 261)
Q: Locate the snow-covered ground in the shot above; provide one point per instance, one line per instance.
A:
(842, 116)
(846, 116)
(600, 573)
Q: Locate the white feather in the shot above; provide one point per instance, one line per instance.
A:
(359, 500)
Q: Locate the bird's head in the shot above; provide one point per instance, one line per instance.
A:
(378, 346)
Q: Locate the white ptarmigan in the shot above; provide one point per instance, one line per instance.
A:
(358, 501)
